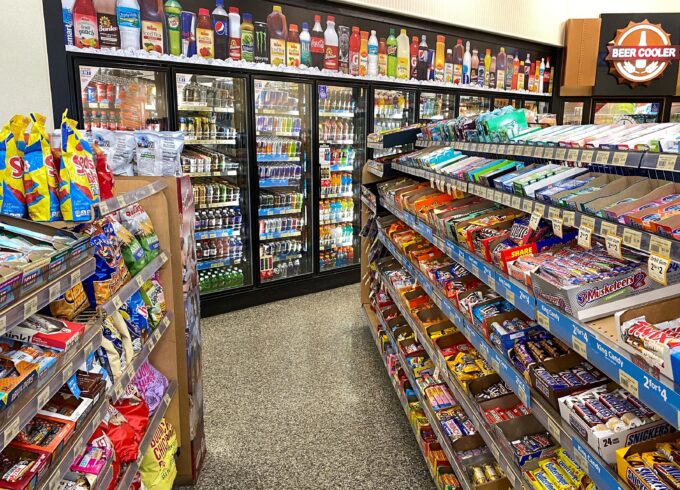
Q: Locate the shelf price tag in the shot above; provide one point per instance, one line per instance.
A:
(657, 268)
(569, 218)
(585, 236)
(602, 157)
(510, 296)
(613, 244)
(543, 320)
(535, 220)
(12, 430)
(588, 221)
(498, 196)
(619, 159)
(139, 280)
(607, 228)
(572, 155)
(628, 383)
(75, 277)
(579, 456)
(31, 307)
(54, 292)
(579, 346)
(560, 154)
(554, 429)
(666, 162)
(659, 246)
(43, 397)
(554, 213)
(538, 152)
(632, 238)
(121, 201)
(527, 206)
(516, 202)
(507, 199)
(103, 208)
(117, 302)
(539, 208)
(587, 156)
(526, 151)
(557, 227)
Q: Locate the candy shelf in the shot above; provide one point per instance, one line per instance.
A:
(128, 473)
(133, 285)
(214, 264)
(203, 108)
(209, 141)
(141, 357)
(227, 232)
(369, 199)
(124, 200)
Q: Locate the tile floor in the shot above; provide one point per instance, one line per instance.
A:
(297, 397)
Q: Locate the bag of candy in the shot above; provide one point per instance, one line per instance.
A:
(133, 253)
(152, 384)
(135, 219)
(12, 168)
(154, 298)
(78, 186)
(40, 174)
(158, 467)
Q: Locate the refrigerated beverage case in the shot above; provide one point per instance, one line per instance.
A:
(305, 46)
(382, 57)
(487, 67)
(278, 31)
(354, 48)
(220, 20)
(467, 61)
(234, 33)
(458, 61)
(173, 14)
(515, 72)
(331, 45)
(129, 23)
(448, 66)
(363, 54)
(391, 54)
(492, 72)
(372, 55)
(261, 42)
(541, 74)
(474, 67)
(500, 70)
(343, 48)
(153, 25)
(402, 55)
(205, 36)
(422, 59)
(248, 38)
(67, 20)
(413, 57)
(439, 59)
(293, 46)
(318, 45)
(527, 72)
(85, 24)
(546, 75)
(107, 23)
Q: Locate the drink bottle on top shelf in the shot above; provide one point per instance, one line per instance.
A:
(413, 57)
(107, 23)
(474, 67)
(527, 72)
(448, 66)
(391, 44)
(129, 23)
(515, 71)
(546, 75)
(278, 32)
(373, 55)
(67, 20)
(85, 28)
(261, 42)
(317, 46)
(330, 39)
(382, 56)
(234, 33)
(363, 54)
(205, 35)
(520, 76)
(343, 49)
(305, 46)
(500, 70)
(458, 55)
(354, 48)
(422, 58)
(248, 38)
(220, 19)
(402, 55)
(439, 59)
(492, 72)
(467, 61)
(153, 25)
(173, 14)
(293, 46)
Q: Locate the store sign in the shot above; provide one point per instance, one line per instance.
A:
(640, 53)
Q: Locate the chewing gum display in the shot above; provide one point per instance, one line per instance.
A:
(40, 174)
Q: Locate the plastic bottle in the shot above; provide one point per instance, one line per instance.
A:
(293, 46)
(85, 24)
(439, 58)
(474, 67)
(67, 20)
(205, 35)
(520, 76)
(413, 58)
(448, 66)
(467, 61)
(173, 13)
(527, 72)
(487, 67)
(422, 58)
(354, 48)
(541, 74)
(305, 46)
(153, 25)
(382, 57)
(234, 33)
(515, 71)
(363, 54)
(372, 55)
(107, 24)
(317, 46)
(129, 23)
(343, 49)
(530, 81)
(278, 31)
(458, 53)
(248, 38)
(402, 55)
(546, 75)
(500, 69)
(391, 54)
(330, 39)
(492, 72)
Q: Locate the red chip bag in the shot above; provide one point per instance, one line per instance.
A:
(104, 174)
(124, 437)
(134, 409)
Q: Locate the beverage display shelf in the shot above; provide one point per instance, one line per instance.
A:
(600, 472)
(276, 235)
(264, 183)
(19, 413)
(213, 205)
(203, 108)
(327, 248)
(281, 134)
(285, 258)
(132, 286)
(433, 117)
(278, 211)
(203, 265)
(336, 221)
(336, 142)
(124, 200)
(390, 116)
(224, 173)
(226, 232)
(229, 141)
(347, 114)
(502, 454)
(28, 304)
(635, 238)
(128, 473)
(339, 168)
(336, 195)
(276, 112)
(265, 158)
(141, 357)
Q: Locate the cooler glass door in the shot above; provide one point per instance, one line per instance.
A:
(472, 105)
(573, 113)
(283, 128)
(436, 107)
(122, 99)
(392, 109)
(675, 113)
(342, 152)
(500, 102)
(212, 114)
(637, 112)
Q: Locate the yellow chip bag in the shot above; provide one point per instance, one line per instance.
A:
(12, 168)
(158, 468)
(40, 174)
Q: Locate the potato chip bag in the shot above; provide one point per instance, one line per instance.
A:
(135, 219)
(133, 253)
(154, 298)
(12, 168)
(110, 270)
(40, 174)
(158, 468)
(78, 186)
(71, 304)
(130, 347)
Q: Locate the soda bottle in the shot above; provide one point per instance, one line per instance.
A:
(546, 75)
(530, 82)
(448, 66)
(220, 20)
(541, 75)
(234, 33)
(107, 24)
(520, 76)
(305, 46)
(85, 24)
(487, 67)
(422, 58)
(382, 57)
(153, 25)
(492, 72)
(247, 38)
(173, 13)
(278, 31)
(205, 44)
(439, 59)
(129, 23)
(402, 55)
(293, 46)
(515, 72)
(373, 55)
(413, 58)
(330, 59)
(354, 48)
(500, 70)
(67, 20)
(527, 72)
(261, 42)
(474, 66)
(391, 54)
(343, 51)
(458, 62)
(363, 54)
(317, 46)
(467, 62)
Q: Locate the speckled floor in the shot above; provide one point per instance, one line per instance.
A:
(298, 398)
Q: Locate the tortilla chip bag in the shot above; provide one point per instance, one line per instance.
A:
(40, 174)
(12, 167)
(78, 187)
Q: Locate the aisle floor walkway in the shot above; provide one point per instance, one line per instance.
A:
(298, 398)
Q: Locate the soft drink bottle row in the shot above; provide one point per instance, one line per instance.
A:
(432, 106)
(271, 269)
(278, 147)
(389, 104)
(199, 159)
(102, 120)
(219, 219)
(206, 127)
(338, 183)
(285, 200)
(279, 124)
(215, 191)
(218, 93)
(279, 100)
(280, 171)
(221, 278)
(386, 125)
(341, 257)
(337, 156)
(219, 248)
(337, 100)
(336, 130)
(281, 248)
(333, 236)
(281, 225)
(336, 210)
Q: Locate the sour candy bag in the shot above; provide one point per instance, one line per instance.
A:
(12, 168)
(78, 187)
(40, 174)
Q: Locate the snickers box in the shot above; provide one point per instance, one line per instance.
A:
(630, 473)
(515, 429)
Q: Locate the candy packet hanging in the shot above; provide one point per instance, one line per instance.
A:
(78, 186)
(135, 219)
(12, 168)
(40, 174)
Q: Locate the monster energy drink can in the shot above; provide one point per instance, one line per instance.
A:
(261, 43)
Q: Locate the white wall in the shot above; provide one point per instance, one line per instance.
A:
(24, 74)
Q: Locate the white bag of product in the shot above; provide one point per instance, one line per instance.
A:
(149, 153)
(126, 146)
(173, 145)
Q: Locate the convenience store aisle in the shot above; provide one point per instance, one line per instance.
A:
(297, 397)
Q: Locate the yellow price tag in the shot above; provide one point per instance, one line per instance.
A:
(535, 220)
(620, 158)
(613, 244)
(539, 208)
(587, 156)
(588, 221)
(666, 162)
(538, 152)
(527, 205)
(632, 238)
(553, 213)
(510, 296)
(543, 320)
(602, 157)
(579, 347)
(569, 218)
(659, 246)
(607, 228)
(657, 268)
(628, 383)
(557, 227)
(572, 155)
(585, 236)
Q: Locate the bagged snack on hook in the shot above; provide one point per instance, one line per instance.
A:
(71, 304)
(112, 347)
(172, 145)
(149, 153)
(154, 298)
(135, 219)
(104, 174)
(158, 467)
(135, 314)
(130, 345)
(40, 174)
(131, 249)
(78, 187)
(12, 167)
(126, 147)
(151, 384)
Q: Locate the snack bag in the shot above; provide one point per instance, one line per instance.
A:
(158, 468)
(40, 174)
(78, 187)
(104, 175)
(154, 298)
(110, 270)
(12, 168)
(149, 153)
(134, 314)
(133, 253)
(71, 304)
(112, 345)
(130, 349)
(135, 219)
(124, 154)
(152, 384)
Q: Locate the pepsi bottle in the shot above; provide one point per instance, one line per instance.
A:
(221, 28)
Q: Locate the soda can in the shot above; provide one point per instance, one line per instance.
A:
(430, 64)
(188, 34)
(91, 91)
(343, 51)
(261, 43)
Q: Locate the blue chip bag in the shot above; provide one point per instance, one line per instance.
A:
(136, 315)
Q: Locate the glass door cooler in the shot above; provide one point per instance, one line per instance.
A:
(500, 102)
(610, 112)
(283, 142)
(473, 105)
(436, 107)
(342, 152)
(212, 114)
(392, 109)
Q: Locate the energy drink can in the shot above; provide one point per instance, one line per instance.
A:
(261, 43)
(188, 34)
(343, 51)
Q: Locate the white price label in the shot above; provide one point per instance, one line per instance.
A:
(121, 201)
(43, 398)
(628, 383)
(12, 429)
(139, 280)
(119, 390)
(613, 244)
(75, 278)
(666, 162)
(67, 373)
(156, 335)
(632, 238)
(164, 256)
(602, 157)
(569, 218)
(659, 246)
(587, 156)
(498, 196)
(31, 307)
(619, 158)
(507, 199)
(535, 220)
(572, 155)
(516, 202)
(166, 399)
(55, 291)
(510, 296)
(607, 228)
(585, 236)
(527, 206)
(554, 429)
(557, 227)
(492, 282)
(117, 302)
(657, 268)
(495, 363)
(579, 347)
(554, 213)
(539, 208)
(581, 460)
(588, 221)
(543, 320)
(103, 208)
